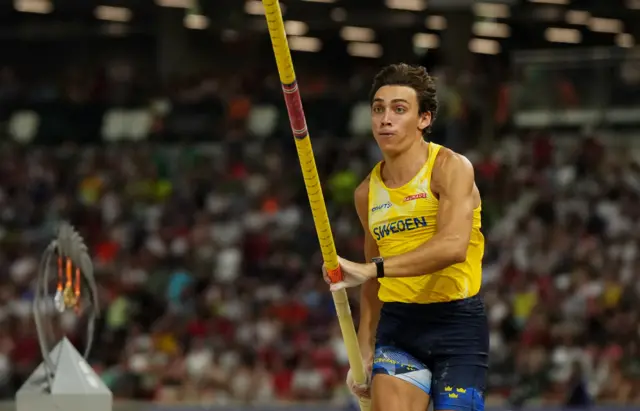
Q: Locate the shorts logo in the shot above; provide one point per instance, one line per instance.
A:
(415, 197)
(379, 207)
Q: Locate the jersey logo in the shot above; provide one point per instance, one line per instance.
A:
(379, 207)
(398, 226)
(415, 197)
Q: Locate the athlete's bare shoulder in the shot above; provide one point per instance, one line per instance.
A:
(361, 197)
(449, 158)
(448, 163)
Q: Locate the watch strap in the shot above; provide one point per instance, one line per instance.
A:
(379, 262)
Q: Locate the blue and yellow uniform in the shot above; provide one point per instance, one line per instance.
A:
(433, 328)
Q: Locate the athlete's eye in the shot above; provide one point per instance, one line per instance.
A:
(401, 110)
(378, 110)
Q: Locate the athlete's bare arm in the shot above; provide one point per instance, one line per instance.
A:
(453, 181)
(370, 305)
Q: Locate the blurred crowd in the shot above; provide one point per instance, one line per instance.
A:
(560, 279)
(209, 270)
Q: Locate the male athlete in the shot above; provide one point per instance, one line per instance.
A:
(423, 330)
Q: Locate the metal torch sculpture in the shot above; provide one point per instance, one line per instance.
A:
(64, 379)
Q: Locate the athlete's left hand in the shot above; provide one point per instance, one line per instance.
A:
(353, 274)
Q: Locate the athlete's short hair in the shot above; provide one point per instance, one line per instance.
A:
(413, 76)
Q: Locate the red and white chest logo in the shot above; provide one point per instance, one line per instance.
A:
(415, 197)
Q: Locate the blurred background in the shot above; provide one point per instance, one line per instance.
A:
(159, 130)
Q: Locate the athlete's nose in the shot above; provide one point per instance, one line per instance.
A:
(385, 121)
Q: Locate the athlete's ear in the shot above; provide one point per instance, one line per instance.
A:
(424, 121)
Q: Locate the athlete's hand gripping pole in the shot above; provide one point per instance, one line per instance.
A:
(314, 189)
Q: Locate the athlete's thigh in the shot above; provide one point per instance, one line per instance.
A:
(459, 383)
(459, 361)
(400, 382)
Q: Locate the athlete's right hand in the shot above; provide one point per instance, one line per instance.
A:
(361, 390)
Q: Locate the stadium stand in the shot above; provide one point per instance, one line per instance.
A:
(188, 192)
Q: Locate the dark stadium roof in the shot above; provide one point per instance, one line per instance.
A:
(499, 25)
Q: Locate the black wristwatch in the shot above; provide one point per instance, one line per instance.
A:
(379, 262)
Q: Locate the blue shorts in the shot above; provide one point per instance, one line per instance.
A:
(442, 348)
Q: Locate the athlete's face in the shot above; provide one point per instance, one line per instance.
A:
(395, 119)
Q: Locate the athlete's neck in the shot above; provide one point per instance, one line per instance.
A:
(399, 170)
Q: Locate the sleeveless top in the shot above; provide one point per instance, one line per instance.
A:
(401, 219)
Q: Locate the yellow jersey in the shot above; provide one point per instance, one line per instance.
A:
(401, 219)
